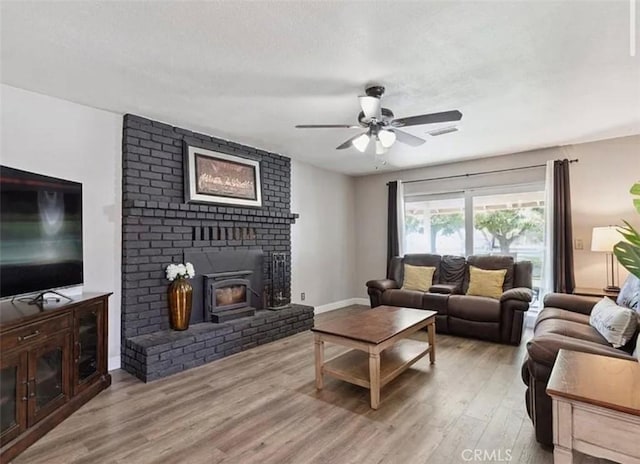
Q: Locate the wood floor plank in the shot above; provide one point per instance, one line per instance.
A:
(261, 406)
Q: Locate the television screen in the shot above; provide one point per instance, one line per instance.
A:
(40, 232)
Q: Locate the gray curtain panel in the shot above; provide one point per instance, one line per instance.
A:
(564, 280)
(393, 243)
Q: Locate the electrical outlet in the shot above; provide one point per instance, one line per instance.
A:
(302, 296)
(579, 245)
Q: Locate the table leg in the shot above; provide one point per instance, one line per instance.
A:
(319, 362)
(431, 329)
(562, 455)
(562, 413)
(374, 379)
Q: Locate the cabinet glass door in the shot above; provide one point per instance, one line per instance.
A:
(89, 351)
(87, 344)
(48, 377)
(48, 380)
(13, 396)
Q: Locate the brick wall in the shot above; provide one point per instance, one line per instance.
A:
(158, 226)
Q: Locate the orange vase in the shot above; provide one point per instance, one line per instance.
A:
(179, 295)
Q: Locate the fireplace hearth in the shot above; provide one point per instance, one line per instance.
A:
(227, 295)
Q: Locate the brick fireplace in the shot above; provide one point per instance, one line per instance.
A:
(160, 228)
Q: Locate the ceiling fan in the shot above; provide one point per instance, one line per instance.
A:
(382, 128)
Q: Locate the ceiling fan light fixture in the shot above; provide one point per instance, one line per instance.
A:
(387, 138)
(380, 148)
(361, 143)
(370, 106)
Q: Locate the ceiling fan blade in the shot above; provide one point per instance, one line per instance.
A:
(405, 137)
(370, 106)
(327, 126)
(349, 142)
(445, 116)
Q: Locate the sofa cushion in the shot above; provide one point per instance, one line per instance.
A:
(452, 269)
(544, 348)
(523, 274)
(424, 259)
(444, 288)
(492, 262)
(417, 277)
(406, 298)
(474, 308)
(435, 302)
(562, 314)
(485, 283)
(629, 295)
(571, 329)
(615, 323)
(475, 329)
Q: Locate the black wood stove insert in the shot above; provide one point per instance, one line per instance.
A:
(227, 295)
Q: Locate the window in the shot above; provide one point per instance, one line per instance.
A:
(511, 224)
(505, 220)
(435, 225)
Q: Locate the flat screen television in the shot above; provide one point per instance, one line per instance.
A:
(40, 233)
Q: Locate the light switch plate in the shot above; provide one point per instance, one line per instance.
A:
(578, 244)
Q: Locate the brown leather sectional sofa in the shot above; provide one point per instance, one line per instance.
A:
(459, 314)
(563, 323)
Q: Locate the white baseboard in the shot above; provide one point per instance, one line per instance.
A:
(113, 363)
(340, 304)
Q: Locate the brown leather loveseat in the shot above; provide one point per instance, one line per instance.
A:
(563, 323)
(498, 320)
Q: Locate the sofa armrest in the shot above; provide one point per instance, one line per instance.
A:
(447, 289)
(575, 303)
(544, 349)
(518, 293)
(382, 284)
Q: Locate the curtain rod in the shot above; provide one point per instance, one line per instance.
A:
(482, 172)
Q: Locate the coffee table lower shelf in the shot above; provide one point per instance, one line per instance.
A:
(380, 343)
(353, 366)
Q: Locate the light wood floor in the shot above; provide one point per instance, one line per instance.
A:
(261, 406)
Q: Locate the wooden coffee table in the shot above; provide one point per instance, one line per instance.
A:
(381, 347)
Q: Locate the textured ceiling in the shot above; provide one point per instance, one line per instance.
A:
(525, 74)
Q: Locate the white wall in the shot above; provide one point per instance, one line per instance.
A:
(62, 139)
(600, 184)
(322, 239)
(600, 196)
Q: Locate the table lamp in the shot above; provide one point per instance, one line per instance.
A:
(602, 240)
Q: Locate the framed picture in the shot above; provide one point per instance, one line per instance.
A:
(213, 177)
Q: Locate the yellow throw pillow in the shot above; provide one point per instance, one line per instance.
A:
(418, 277)
(486, 283)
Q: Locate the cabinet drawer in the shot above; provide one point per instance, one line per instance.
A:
(607, 431)
(34, 333)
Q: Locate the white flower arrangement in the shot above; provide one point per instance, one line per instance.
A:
(185, 271)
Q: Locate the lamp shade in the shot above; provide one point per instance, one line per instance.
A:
(387, 138)
(604, 238)
(370, 106)
(361, 143)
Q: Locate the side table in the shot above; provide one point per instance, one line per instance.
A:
(596, 407)
(587, 291)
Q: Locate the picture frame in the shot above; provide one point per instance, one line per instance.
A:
(215, 177)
